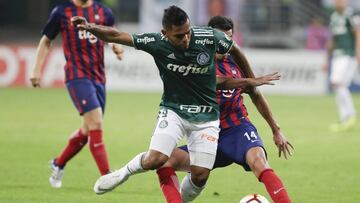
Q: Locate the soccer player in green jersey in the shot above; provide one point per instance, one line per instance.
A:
(344, 51)
(184, 56)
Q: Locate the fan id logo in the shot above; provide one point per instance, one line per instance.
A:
(196, 108)
(185, 70)
(203, 58)
(145, 40)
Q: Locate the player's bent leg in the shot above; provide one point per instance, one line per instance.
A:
(153, 160)
(56, 175)
(93, 121)
(256, 159)
(169, 182)
(110, 181)
(140, 163)
(179, 160)
(194, 182)
(76, 142)
(189, 190)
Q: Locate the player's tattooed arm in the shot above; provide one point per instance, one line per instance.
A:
(224, 83)
(106, 33)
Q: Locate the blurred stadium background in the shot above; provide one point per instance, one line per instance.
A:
(276, 35)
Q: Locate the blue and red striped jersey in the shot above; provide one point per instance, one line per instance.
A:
(84, 53)
(231, 105)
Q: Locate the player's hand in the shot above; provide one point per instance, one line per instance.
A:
(78, 20)
(81, 23)
(35, 79)
(267, 79)
(118, 51)
(284, 146)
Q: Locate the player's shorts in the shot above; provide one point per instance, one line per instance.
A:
(343, 69)
(86, 94)
(234, 143)
(202, 137)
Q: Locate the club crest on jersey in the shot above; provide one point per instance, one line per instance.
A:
(163, 124)
(203, 58)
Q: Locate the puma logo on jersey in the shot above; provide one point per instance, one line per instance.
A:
(83, 34)
(185, 70)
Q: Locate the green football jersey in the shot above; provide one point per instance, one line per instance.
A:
(341, 27)
(189, 76)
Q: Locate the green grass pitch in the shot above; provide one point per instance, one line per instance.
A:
(35, 125)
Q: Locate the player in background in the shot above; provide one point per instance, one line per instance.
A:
(84, 77)
(343, 51)
(239, 141)
(184, 56)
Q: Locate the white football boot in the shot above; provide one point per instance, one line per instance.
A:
(56, 175)
(110, 181)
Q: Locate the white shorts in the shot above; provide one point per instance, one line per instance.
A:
(343, 69)
(202, 137)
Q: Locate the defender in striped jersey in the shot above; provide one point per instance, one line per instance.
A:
(84, 77)
(239, 141)
(184, 56)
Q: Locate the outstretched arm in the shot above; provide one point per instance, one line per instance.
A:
(261, 104)
(105, 33)
(225, 83)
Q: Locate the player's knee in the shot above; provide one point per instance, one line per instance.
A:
(154, 161)
(256, 159)
(200, 176)
(94, 124)
(260, 162)
(93, 119)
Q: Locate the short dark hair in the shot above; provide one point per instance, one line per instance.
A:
(174, 16)
(221, 23)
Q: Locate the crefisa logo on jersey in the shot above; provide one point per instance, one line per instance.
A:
(145, 40)
(204, 41)
(203, 58)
